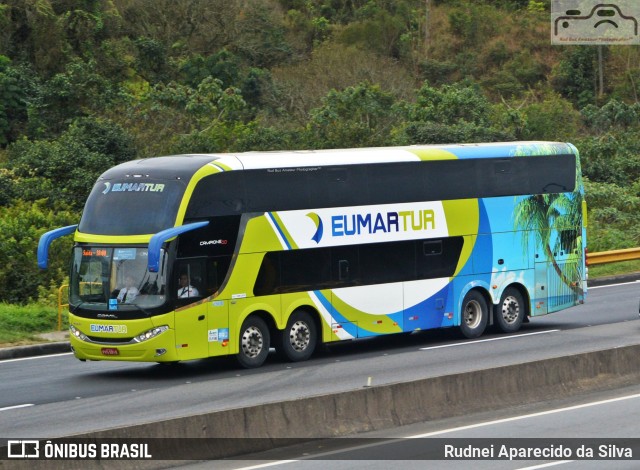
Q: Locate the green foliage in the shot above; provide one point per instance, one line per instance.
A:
(22, 322)
(574, 77)
(7, 187)
(474, 22)
(381, 32)
(232, 75)
(612, 115)
(614, 269)
(415, 133)
(263, 37)
(554, 118)
(451, 104)
(17, 88)
(438, 72)
(537, 6)
(451, 113)
(223, 66)
(612, 158)
(613, 220)
(21, 226)
(65, 169)
(357, 116)
(151, 60)
(514, 74)
(78, 91)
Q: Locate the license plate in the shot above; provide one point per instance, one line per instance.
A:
(110, 351)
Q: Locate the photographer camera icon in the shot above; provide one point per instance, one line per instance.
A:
(605, 23)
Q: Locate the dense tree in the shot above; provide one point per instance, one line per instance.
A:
(357, 116)
(87, 84)
(21, 225)
(62, 171)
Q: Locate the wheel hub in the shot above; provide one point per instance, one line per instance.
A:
(472, 314)
(299, 336)
(252, 342)
(510, 309)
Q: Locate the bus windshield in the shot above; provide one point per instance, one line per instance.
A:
(115, 278)
(131, 208)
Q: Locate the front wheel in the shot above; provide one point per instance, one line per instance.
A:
(511, 311)
(299, 338)
(475, 315)
(254, 342)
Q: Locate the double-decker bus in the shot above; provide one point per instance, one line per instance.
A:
(192, 256)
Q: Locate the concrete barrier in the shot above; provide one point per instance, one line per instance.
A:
(387, 406)
(260, 427)
(40, 349)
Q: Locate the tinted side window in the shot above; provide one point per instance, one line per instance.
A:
(218, 194)
(304, 269)
(438, 258)
(217, 238)
(387, 262)
(235, 192)
(344, 266)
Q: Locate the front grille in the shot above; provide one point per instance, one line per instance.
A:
(100, 340)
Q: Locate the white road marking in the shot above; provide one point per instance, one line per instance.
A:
(488, 339)
(16, 406)
(34, 357)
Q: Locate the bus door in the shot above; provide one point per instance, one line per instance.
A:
(218, 334)
(191, 311)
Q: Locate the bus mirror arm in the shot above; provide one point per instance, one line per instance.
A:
(156, 242)
(45, 242)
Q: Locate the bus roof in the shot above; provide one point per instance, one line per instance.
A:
(302, 158)
(184, 166)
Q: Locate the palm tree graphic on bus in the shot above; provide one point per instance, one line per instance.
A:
(547, 215)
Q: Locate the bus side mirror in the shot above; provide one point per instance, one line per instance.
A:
(45, 242)
(156, 242)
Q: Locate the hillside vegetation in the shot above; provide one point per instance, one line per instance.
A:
(87, 84)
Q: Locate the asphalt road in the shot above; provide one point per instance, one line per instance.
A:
(52, 396)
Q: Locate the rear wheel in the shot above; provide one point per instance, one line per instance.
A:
(511, 311)
(475, 314)
(254, 342)
(299, 338)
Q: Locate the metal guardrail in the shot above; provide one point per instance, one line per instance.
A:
(613, 256)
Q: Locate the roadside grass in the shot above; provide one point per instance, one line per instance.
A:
(614, 269)
(20, 324)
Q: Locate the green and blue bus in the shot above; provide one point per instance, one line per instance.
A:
(234, 254)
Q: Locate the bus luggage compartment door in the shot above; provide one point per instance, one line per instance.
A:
(558, 286)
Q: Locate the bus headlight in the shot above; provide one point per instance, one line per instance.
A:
(77, 333)
(152, 333)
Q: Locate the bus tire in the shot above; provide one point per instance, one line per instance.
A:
(254, 342)
(299, 339)
(511, 311)
(474, 315)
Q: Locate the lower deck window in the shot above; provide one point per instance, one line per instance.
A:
(357, 265)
